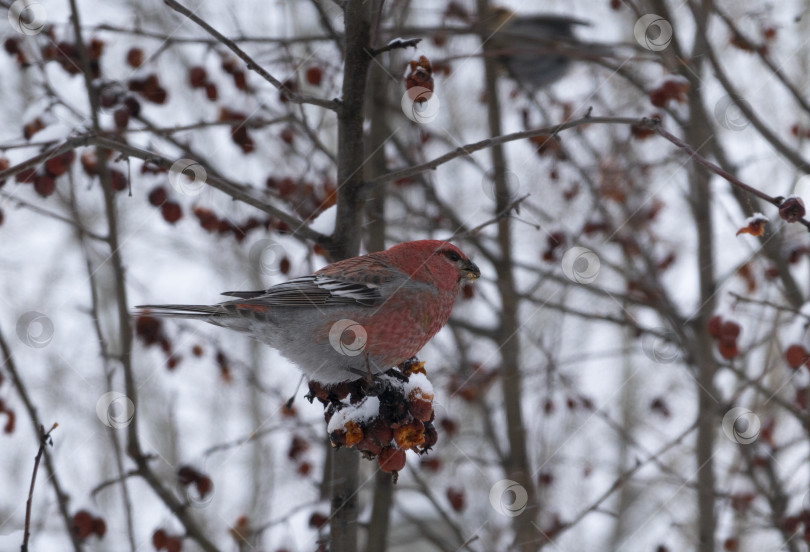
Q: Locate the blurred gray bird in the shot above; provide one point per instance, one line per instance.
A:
(536, 50)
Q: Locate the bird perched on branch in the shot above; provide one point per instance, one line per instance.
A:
(536, 50)
(353, 318)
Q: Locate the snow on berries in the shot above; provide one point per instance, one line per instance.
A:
(382, 418)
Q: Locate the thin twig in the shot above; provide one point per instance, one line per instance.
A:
(699, 159)
(61, 498)
(45, 439)
(463, 151)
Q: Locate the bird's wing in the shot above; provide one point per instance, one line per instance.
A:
(316, 290)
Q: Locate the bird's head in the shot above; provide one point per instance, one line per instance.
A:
(437, 261)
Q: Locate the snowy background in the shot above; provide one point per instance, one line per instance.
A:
(610, 411)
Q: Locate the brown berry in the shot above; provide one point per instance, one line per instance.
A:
(792, 209)
(391, 459)
(121, 117)
(135, 57)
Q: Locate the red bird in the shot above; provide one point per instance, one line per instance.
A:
(352, 318)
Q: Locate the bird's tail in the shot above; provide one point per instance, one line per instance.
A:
(195, 312)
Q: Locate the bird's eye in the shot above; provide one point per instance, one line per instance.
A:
(453, 256)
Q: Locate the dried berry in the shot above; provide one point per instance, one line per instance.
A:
(792, 209)
(391, 459)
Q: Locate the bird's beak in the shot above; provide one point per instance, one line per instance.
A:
(470, 270)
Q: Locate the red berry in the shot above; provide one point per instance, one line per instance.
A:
(240, 80)
(318, 520)
(82, 524)
(730, 330)
(728, 349)
(171, 212)
(159, 539)
(26, 176)
(57, 166)
(44, 184)
(135, 57)
(197, 76)
(211, 91)
(314, 75)
(118, 181)
(158, 196)
(455, 497)
(796, 355)
(713, 326)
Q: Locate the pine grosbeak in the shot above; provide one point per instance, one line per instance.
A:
(536, 50)
(358, 316)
